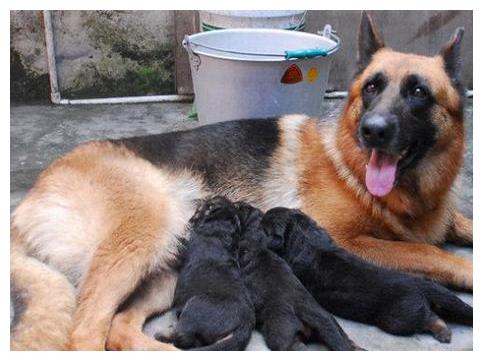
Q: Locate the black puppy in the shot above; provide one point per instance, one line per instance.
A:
(286, 313)
(215, 312)
(352, 288)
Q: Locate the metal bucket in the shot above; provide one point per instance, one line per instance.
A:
(257, 73)
(273, 19)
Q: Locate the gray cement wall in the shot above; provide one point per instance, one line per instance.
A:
(421, 31)
(116, 53)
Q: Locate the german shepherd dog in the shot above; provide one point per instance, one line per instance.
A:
(213, 306)
(349, 287)
(286, 313)
(103, 223)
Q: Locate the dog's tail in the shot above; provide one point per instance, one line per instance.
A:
(42, 303)
(235, 341)
(447, 305)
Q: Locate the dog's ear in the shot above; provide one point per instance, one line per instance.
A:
(370, 41)
(451, 54)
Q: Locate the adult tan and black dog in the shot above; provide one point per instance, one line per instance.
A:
(95, 241)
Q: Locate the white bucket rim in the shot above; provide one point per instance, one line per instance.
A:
(192, 44)
(256, 13)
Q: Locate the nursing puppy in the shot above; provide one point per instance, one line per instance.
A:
(286, 313)
(214, 310)
(352, 288)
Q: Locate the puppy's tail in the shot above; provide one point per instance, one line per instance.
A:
(447, 305)
(235, 341)
(42, 303)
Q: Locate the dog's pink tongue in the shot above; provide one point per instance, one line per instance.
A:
(380, 173)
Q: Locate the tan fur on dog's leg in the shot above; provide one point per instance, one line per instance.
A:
(461, 232)
(425, 259)
(46, 323)
(117, 267)
(126, 331)
(102, 293)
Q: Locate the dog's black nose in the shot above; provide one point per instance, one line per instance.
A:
(377, 131)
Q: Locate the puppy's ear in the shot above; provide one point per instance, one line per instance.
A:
(370, 41)
(451, 54)
(274, 232)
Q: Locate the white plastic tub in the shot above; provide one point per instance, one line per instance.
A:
(273, 19)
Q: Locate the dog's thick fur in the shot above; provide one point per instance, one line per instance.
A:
(354, 289)
(215, 311)
(106, 218)
(286, 313)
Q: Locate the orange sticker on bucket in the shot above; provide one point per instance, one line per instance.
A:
(312, 75)
(292, 75)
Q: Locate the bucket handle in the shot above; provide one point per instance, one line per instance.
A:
(328, 32)
(195, 59)
(301, 23)
(305, 53)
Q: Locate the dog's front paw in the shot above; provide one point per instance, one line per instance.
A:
(463, 276)
(461, 233)
(78, 344)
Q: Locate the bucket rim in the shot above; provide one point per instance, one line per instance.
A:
(200, 49)
(256, 13)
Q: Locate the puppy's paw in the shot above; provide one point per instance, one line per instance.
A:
(439, 329)
(298, 346)
(443, 335)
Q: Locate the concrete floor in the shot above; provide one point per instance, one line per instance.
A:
(40, 133)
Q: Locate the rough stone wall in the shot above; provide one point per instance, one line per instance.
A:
(28, 59)
(114, 53)
(98, 53)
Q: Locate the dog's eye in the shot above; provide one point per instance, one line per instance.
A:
(419, 92)
(370, 87)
